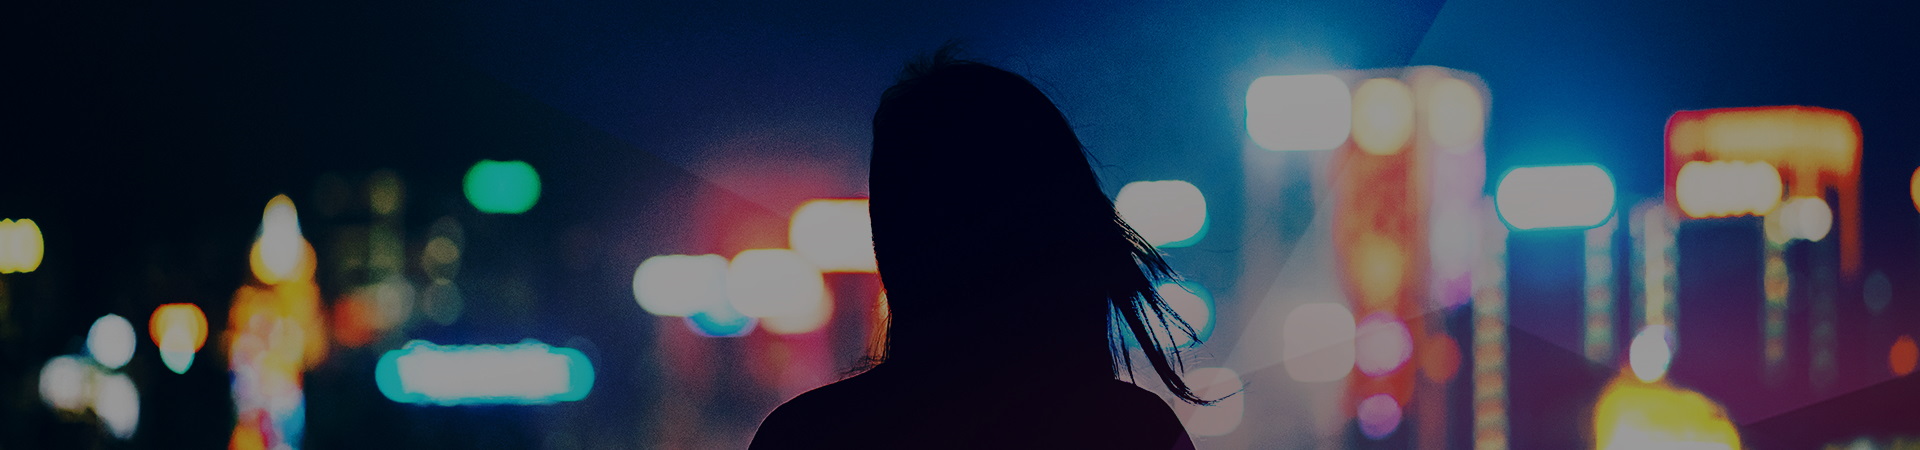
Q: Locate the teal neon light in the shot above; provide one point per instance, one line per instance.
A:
(527, 373)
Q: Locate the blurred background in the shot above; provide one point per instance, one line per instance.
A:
(591, 224)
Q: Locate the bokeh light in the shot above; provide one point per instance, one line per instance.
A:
(680, 285)
(1379, 415)
(721, 322)
(1877, 292)
(1382, 344)
(21, 246)
(179, 330)
(1456, 114)
(772, 283)
(1576, 196)
(1317, 342)
(1194, 304)
(111, 341)
(502, 187)
(1170, 213)
(835, 234)
(1808, 218)
(65, 382)
(806, 320)
(1706, 189)
(1440, 358)
(1650, 353)
(527, 373)
(1378, 265)
(1903, 356)
(1382, 116)
(280, 238)
(1299, 112)
(1218, 419)
(117, 403)
(1632, 415)
(1915, 189)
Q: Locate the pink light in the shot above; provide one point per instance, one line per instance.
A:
(1379, 416)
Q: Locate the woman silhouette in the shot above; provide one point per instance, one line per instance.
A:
(1005, 267)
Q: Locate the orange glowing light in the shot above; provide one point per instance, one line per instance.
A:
(1814, 150)
(1916, 189)
(1440, 358)
(1903, 357)
(178, 327)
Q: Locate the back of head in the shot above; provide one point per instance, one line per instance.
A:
(996, 245)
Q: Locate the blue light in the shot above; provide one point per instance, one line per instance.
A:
(527, 373)
(721, 321)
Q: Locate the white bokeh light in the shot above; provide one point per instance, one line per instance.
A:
(1221, 418)
(835, 234)
(1579, 196)
(1317, 342)
(111, 341)
(1706, 189)
(680, 285)
(1170, 213)
(1650, 353)
(1382, 344)
(281, 245)
(1299, 112)
(65, 382)
(768, 283)
(117, 403)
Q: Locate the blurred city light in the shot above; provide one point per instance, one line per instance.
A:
(1632, 415)
(527, 373)
(66, 383)
(1170, 213)
(1317, 342)
(1816, 152)
(1378, 265)
(1576, 196)
(1440, 358)
(835, 234)
(721, 321)
(1456, 114)
(1806, 218)
(1218, 419)
(1915, 187)
(21, 246)
(1903, 356)
(1819, 138)
(767, 283)
(1382, 116)
(111, 341)
(1382, 344)
(179, 330)
(281, 253)
(280, 239)
(1705, 189)
(1194, 305)
(1379, 415)
(680, 285)
(117, 403)
(805, 320)
(502, 187)
(1650, 353)
(1299, 112)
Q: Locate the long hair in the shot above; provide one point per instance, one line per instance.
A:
(995, 240)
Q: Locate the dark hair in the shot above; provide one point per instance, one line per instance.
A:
(978, 182)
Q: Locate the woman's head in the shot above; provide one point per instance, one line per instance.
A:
(993, 236)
